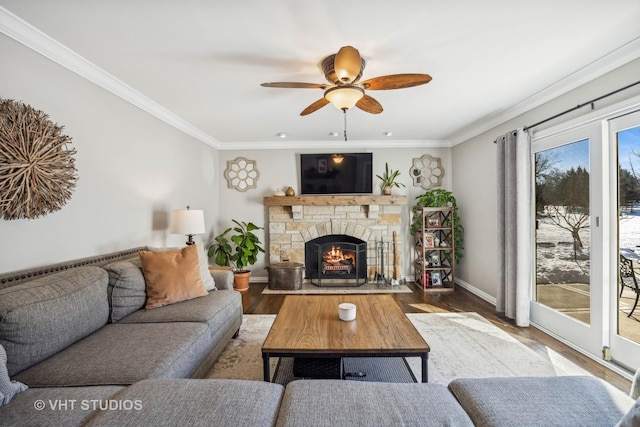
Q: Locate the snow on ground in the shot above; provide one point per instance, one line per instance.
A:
(555, 257)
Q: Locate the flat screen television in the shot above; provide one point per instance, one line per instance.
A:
(342, 173)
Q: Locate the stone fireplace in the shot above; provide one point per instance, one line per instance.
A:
(300, 226)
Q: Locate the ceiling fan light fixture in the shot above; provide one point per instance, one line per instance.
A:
(347, 64)
(344, 97)
(337, 158)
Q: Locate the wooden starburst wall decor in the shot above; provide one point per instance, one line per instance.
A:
(37, 167)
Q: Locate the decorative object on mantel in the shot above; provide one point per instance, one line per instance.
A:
(241, 174)
(37, 168)
(389, 180)
(290, 192)
(427, 172)
(188, 222)
(278, 192)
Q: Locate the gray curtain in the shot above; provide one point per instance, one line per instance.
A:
(515, 236)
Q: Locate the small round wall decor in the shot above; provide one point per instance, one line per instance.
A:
(241, 174)
(37, 168)
(427, 172)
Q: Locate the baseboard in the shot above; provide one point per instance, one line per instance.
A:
(607, 364)
(477, 292)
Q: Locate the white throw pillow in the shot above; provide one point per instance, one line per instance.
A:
(8, 388)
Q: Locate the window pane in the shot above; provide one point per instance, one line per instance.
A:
(629, 233)
(562, 229)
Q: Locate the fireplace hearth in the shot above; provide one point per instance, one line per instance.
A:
(336, 260)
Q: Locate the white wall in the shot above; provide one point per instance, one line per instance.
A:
(132, 168)
(475, 180)
(280, 169)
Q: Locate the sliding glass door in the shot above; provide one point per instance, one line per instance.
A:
(624, 319)
(587, 235)
(567, 237)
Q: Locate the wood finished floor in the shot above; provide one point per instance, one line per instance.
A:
(460, 301)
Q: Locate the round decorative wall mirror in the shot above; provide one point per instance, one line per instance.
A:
(427, 172)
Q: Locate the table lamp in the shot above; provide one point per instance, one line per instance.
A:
(187, 221)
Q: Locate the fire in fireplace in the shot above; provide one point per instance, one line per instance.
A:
(339, 260)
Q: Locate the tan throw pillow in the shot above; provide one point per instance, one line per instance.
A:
(203, 260)
(171, 276)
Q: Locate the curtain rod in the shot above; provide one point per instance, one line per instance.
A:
(577, 107)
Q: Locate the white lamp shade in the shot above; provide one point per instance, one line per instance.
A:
(344, 97)
(187, 221)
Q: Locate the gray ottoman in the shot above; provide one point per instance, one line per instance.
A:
(335, 403)
(540, 401)
(191, 402)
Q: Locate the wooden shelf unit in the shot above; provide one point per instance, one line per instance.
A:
(434, 245)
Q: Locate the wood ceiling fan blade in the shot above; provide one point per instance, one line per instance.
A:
(369, 105)
(347, 64)
(314, 107)
(395, 81)
(295, 85)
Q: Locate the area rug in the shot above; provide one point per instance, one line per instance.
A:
(367, 288)
(462, 345)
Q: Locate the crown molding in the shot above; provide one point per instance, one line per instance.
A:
(605, 64)
(297, 145)
(25, 33)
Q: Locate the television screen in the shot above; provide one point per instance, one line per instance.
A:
(344, 173)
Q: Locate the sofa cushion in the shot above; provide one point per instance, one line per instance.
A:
(540, 401)
(211, 309)
(122, 354)
(196, 403)
(127, 289)
(356, 403)
(41, 317)
(8, 388)
(54, 406)
(171, 276)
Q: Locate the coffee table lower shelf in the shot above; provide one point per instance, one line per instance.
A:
(268, 355)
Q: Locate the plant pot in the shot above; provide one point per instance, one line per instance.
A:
(241, 280)
(386, 190)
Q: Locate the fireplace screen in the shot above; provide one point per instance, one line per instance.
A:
(337, 261)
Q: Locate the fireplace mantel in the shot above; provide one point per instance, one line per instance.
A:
(334, 200)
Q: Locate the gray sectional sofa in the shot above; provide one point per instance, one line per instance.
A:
(76, 334)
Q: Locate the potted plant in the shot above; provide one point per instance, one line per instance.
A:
(439, 198)
(389, 179)
(239, 250)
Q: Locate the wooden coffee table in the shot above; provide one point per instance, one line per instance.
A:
(309, 326)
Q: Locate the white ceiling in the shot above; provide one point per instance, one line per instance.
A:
(199, 63)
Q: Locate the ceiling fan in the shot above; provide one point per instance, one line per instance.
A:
(345, 90)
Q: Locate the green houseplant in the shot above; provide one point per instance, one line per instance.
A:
(388, 179)
(239, 250)
(440, 198)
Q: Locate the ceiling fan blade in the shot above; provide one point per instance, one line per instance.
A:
(314, 107)
(395, 81)
(295, 85)
(347, 64)
(369, 105)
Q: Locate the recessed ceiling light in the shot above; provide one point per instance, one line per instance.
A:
(333, 133)
(282, 135)
(388, 133)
